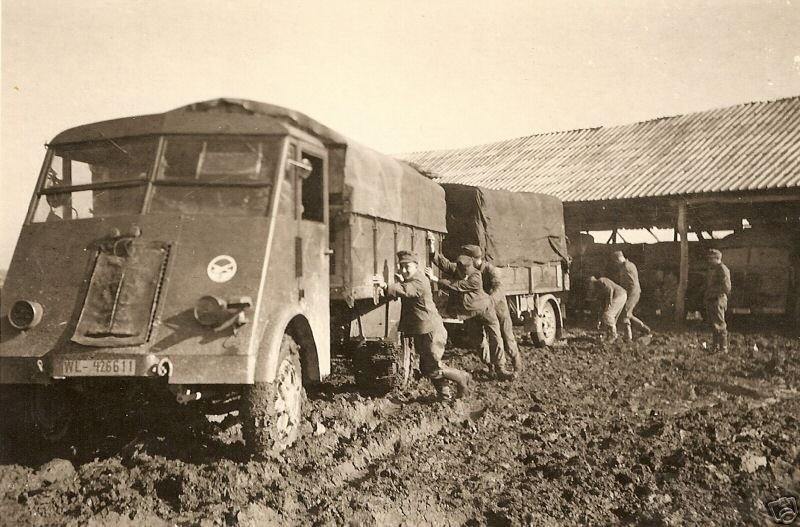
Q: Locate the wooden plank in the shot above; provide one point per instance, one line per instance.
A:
(683, 280)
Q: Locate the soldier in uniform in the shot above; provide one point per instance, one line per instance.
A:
(715, 298)
(494, 288)
(421, 323)
(628, 278)
(475, 303)
(611, 299)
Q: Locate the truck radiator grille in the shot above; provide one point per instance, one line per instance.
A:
(120, 304)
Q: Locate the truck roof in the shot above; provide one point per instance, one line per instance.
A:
(373, 184)
(218, 116)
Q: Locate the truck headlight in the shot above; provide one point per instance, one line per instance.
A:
(210, 310)
(25, 314)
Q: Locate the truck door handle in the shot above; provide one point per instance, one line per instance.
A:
(327, 252)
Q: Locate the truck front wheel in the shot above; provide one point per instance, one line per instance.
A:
(272, 412)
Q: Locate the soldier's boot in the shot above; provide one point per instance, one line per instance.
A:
(516, 360)
(442, 389)
(628, 333)
(502, 374)
(715, 341)
(461, 379)
(611, 334)
(723, 341)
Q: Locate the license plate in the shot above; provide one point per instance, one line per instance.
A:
(98, 367)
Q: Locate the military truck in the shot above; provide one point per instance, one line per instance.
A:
(213, 251)
(217, 251)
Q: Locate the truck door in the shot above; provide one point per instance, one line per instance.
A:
(312, 253)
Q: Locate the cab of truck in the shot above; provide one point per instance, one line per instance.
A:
(188, 249)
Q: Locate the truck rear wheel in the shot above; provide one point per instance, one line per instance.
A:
(272, 412)
(378, 366)
(545, 326)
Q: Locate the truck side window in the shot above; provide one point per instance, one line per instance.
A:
(313, 191)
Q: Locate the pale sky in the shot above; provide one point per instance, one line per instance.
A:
(397, 76)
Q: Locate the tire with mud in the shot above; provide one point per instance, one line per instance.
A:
(272, 413)
(378, 366)
(545, 326)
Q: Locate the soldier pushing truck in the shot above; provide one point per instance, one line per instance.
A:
(421, 323)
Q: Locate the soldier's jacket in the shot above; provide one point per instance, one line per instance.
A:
(489, 273)
(628, 277)
(472, 298)
(718, 281)
(418, 313)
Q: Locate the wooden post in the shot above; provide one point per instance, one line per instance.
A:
(683, 279)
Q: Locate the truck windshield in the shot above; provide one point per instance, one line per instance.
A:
(103, 178)
(228, 175)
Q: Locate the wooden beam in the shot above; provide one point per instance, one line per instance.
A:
(683, 279)
(774, 197)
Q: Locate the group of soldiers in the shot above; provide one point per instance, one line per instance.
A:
(479, 297)
(478, 291)
(617, 300)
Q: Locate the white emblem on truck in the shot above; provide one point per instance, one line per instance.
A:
(222, 268)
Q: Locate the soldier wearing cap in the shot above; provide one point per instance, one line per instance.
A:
(494, 288)
(475, 303)
(611, 299)
(421, 323)
(628, 278)
(715, 298)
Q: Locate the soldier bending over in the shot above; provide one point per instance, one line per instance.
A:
(611, 300)
(474, 302)
(494, 288)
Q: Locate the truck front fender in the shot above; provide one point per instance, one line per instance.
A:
(315, 355)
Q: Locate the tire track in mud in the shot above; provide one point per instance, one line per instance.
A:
(659, 435)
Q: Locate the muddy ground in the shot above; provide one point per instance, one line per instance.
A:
(664, 434)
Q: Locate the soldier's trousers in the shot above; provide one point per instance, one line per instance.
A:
(715, 312)
(430, 348)
(506, 329)
(491, 338)
(627, 317)
(611, 313)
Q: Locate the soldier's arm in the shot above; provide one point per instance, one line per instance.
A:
(466, 285)
(726, 280)
(606, 296)
(632, 274)
(410, 289)
(443, 263)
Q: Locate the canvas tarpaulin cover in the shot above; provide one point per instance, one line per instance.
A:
(512, 228)
(370, 183)
(382, 187)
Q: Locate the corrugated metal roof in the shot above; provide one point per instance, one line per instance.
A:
(754, 146)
